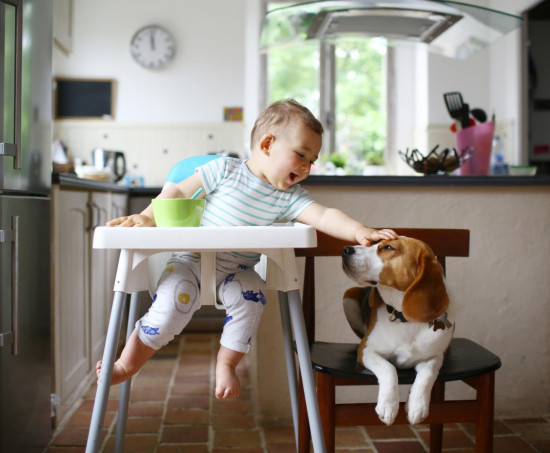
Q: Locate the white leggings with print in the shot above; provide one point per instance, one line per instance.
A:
(239, 288)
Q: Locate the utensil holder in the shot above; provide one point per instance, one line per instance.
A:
(480, 138)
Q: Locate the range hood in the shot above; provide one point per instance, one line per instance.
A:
(453, 29)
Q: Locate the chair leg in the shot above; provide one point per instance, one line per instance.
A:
(436, 431)
(485, 421)
(326, 394)
(304, 434)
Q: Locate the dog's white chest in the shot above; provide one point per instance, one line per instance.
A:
(406, 344)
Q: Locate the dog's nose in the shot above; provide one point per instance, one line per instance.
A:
(348, 251)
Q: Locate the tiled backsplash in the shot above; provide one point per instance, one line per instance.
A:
(151, 149)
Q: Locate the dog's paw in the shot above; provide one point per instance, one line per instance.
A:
(387, 411)
(417, 409)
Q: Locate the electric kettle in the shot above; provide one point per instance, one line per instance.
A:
(112, 161)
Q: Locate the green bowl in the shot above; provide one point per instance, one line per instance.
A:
(178, 212)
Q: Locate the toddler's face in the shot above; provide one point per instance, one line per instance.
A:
(292, 151)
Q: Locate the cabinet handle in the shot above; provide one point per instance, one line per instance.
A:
(15, 285)
(11, 337)
(98, 210)
(90, 216)
(14, 149)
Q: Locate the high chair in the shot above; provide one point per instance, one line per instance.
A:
(276, 243)
(336, 364)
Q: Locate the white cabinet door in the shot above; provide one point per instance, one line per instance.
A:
(83, 287)
(100, 296)
(71, 286)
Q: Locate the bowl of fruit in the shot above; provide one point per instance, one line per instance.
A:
(436, 161)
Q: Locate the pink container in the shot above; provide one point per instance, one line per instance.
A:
(480, 137)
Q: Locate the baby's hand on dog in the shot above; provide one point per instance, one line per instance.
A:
(366, 236)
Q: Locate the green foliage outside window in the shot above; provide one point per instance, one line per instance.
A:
(360, 111)
(360, 101)
(294, 73)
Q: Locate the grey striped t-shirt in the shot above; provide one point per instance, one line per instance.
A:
(234, 196)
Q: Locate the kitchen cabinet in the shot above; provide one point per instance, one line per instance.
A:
(83, 281)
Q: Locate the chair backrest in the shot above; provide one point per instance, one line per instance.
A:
(445, 242)
(186, 167)
(180, 171)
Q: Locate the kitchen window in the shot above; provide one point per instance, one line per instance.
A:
(345, 85)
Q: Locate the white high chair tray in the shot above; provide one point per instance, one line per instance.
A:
(277, 242)
(230, 238)
(137, 244)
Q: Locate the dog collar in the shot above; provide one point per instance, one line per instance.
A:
(394, 314)
(439, 323)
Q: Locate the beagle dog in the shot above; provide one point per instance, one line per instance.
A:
(404, 316)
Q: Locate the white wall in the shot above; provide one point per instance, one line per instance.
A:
(206, 75)
(490, 79)
(217, 65)
(501, 291)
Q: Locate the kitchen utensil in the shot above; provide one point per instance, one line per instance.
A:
(465, 116)
(112, 161)
(453, 101)
(457, 108)
(479, 115)
(178, 212)
(443, 161)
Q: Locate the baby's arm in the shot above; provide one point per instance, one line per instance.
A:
(183, 189)
(338, 224)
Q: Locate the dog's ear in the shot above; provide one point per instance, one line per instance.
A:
(426, 298)
(352, 309)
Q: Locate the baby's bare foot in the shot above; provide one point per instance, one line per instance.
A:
(119, 373)
(227, 382)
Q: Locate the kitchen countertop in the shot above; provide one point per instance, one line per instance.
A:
(72, 181)
(69, 180)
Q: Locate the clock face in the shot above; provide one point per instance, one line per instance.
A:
(153, 47)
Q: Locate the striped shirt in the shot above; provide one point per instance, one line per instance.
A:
(234, 196)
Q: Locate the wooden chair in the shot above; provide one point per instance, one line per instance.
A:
(336, 364)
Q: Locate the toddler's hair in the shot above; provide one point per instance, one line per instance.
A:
(279, 114)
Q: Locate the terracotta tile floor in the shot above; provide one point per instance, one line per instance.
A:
(172, 409)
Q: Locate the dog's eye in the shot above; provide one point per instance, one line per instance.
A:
(387, 247)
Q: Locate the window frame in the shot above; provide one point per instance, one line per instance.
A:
(327, 90)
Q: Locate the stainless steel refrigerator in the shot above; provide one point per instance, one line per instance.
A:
(25, 183)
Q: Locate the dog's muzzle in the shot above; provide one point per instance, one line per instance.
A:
(347, 263)
(348, 251)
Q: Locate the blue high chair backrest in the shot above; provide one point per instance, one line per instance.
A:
(180, 171)
(186, 167)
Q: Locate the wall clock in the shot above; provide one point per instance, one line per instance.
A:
(153, 47)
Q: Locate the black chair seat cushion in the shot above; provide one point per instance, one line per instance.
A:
(464, 359)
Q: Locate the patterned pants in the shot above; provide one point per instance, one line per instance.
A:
(239, 288)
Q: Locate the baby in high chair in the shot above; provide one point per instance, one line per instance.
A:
(285, 141)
